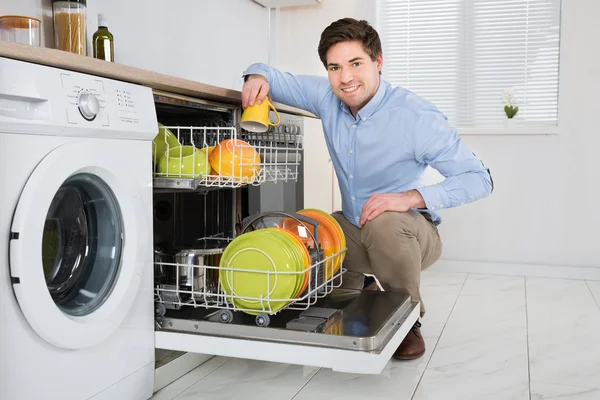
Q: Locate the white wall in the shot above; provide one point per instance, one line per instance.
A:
(543, 210)
(202, 40)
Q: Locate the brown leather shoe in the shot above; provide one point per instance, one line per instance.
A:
(413, 345)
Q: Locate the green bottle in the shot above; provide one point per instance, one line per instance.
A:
(103, 41)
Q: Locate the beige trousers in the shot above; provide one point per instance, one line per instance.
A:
(394, 247)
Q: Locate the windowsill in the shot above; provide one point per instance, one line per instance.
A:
(509, 130)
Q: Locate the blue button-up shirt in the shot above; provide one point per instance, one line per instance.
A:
(387, 147)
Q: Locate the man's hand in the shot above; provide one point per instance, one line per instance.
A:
(399, 202)
(256, 88)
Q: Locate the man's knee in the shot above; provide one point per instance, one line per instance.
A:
(390, 223)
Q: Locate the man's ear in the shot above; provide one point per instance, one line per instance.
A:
(379, 61)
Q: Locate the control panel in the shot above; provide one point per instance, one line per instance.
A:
(43, 100)
(105, 103)
(86, 99)
(291, 124)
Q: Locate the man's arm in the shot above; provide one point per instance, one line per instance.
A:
(301, 91)
(437, 144)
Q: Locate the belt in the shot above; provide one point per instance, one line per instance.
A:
(427, 217)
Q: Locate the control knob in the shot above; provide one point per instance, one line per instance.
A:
(89, 106)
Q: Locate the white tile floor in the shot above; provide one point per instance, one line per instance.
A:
(487, 337)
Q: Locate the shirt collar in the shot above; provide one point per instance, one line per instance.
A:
(372, 105)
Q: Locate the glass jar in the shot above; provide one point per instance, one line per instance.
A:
(69, 26)
(20, 29)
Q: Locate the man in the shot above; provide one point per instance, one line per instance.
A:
(380, 139)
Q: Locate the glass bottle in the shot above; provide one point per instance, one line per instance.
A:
(103, 41)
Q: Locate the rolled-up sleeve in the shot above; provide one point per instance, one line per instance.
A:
(300, 91)
(437, 144)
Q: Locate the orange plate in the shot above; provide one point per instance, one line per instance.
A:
(305, 256)
(328, 238)
(339, 231)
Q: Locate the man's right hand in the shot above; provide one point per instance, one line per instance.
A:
(256, 88)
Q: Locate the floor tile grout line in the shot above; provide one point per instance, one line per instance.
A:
(527, 338)
(439, 337)
(592, 293)
(199, 366)
(517, 275)
(305, 383)
(567, 385)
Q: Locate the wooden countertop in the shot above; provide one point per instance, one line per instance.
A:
(154, 80)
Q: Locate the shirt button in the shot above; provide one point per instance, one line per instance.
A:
(441, 206)
(433, 207)
(350, 151)
(353, 198)
(351, 177)
(354, 125)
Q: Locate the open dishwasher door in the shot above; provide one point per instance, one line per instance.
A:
(348, 331)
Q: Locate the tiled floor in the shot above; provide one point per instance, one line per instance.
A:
(487, 337)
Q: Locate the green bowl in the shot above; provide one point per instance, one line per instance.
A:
(165, 140)
(183, 162)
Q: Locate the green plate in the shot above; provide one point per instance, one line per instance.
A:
(291, 244)
(259, 251)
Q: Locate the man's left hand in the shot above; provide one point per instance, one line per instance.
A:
(399, 202)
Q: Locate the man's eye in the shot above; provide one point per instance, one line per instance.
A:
(333, 68)
(356, 64)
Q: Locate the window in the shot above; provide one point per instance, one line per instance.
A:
(462, 54)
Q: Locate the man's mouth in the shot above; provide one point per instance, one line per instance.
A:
(350, 89)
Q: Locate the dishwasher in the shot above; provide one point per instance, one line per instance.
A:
(196, 219)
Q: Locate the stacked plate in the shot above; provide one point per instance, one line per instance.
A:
(330, 236)
(264, 270)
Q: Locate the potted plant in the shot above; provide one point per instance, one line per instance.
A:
(510, 106)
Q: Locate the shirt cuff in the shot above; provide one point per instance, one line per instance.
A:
(257, 69)
(435, 197)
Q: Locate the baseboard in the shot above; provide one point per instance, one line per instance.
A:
(135, 386)
(175, 369)
(492, 268)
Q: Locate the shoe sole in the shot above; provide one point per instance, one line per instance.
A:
(404, 358)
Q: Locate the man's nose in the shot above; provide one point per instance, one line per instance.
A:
(346, 76)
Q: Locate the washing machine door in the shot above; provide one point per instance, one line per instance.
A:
(76, 246)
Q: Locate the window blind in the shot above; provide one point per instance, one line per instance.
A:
(462, 54)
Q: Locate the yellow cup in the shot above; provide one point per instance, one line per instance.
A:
(256, 118)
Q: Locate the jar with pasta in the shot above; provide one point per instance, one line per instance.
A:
(69, 26)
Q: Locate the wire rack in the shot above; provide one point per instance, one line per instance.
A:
(247, 159)
(205, 291)
(200, 286)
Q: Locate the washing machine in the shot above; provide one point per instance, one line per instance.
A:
(76, 303)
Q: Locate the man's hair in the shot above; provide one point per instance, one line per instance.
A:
(346, 30)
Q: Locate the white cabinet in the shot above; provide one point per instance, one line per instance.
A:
(321, 188)
(318, 168)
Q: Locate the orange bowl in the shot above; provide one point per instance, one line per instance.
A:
(208, 151)
(235, 159)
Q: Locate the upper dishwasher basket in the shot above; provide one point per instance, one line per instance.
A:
(216, 156)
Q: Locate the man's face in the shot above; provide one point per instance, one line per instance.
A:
(353, 76)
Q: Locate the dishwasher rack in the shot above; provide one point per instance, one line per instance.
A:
(279, 155)
(206, 291)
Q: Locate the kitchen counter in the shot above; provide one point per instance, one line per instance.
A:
(154, 80)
